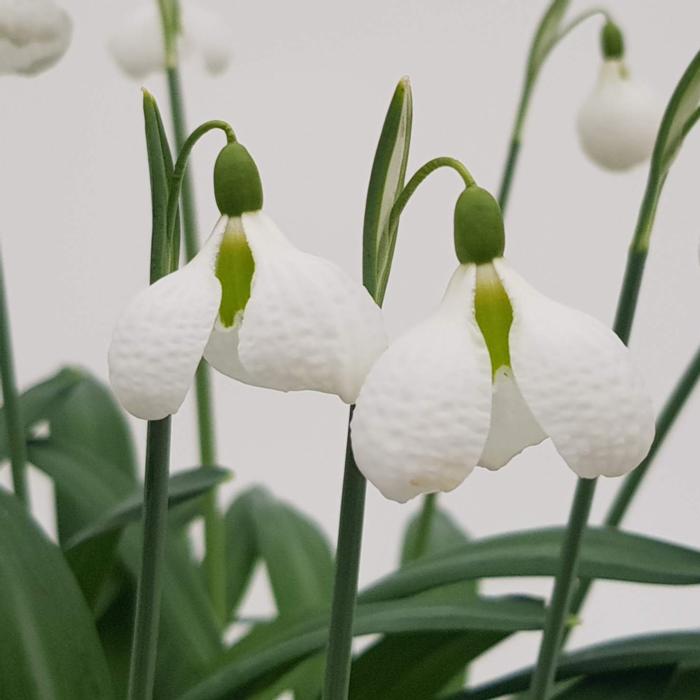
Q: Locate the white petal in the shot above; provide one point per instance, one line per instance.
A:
(137, 44)
(307, 325)
(422, 416)
(577, 378)
(618, 122)
(209, 36)
(159, 339)
(34, 34)
(513, 427)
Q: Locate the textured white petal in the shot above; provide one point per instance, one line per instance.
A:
(159, 339)
(307, 325)
(422, 416)
(513, 427)
(34, 34)
(617, 123)
(137, 44)
(577, 378)
(209, 36)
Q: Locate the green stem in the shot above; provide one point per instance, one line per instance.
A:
(155, 511)
(531, 74)
(15, 427)
(557, 612)
(214, 529)
(352, 508)
(425, 523)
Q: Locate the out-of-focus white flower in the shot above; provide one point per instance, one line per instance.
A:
(34, 34)
(257, 308)
(496, 368)
(138, 45)
(617, 123)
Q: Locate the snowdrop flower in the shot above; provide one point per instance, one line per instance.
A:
(34, 34)
(496, 368)
(618, 122)
(257, 308)
(138, 45)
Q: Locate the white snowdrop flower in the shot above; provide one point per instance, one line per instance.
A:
(254, 306)
(617, 123)
(496, 368)
(34, 34)
(138, 45)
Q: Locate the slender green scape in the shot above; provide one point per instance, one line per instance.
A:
(13, 417)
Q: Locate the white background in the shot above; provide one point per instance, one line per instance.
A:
(307, 93)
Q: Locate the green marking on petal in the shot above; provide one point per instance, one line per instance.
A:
(234, 268)
(494, 314)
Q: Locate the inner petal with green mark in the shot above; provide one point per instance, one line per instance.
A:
(494, 314)
(234, 268)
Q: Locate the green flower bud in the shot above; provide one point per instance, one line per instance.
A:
(478, 227)
(611, 41)
(237, 185)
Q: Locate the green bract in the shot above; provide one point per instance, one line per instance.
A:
(237, 185)
(478, 227)
(611, 41)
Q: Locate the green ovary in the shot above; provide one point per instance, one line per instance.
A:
(234, 269)
(494, 314)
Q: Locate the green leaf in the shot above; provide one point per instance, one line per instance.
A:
(445, 534)
(546, 36)
(272, 649)
(296, 553)
(605, 554)
(645, 684)
(36, 403)
(182, 487)
(385, 183)
(49, 649)
(633, 653)
(685, 683)
(241, 550)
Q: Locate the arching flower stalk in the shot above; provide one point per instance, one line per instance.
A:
(617, 123)
(496, 368)
(254, 306)
(34, 35)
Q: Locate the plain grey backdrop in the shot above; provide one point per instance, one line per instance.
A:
(307, 93)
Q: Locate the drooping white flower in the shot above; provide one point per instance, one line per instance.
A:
(34, 34)
(255, 307)
(138, 46)
(617, 123)
(496, 368)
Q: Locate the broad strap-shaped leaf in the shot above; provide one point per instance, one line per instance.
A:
(605, 553)
(630, 654)
(182, 487)
(37, 402)
(644, 684)
(385, 183)
(241, 550)
(685, 683)
(271, 650)
(49, 648)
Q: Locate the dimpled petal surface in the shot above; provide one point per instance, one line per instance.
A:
(159, 339)
(307, 324)
(34, 34)
(577, 378)
(617, 123)
(422, 416)
(513, 427)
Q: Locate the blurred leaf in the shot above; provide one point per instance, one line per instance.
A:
(182, 487)
(241, 549)
(36, 403)
(48, 647)
(271, 650)
(632, 653)
(605, 553)
(385, 184)
(685, 682)
(646, 684)
(115, 630)
(443, 536)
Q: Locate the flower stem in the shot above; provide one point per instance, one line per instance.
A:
(559, 606)
(352, 507)
(13, 417)
(214, 532)
(155, 511)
